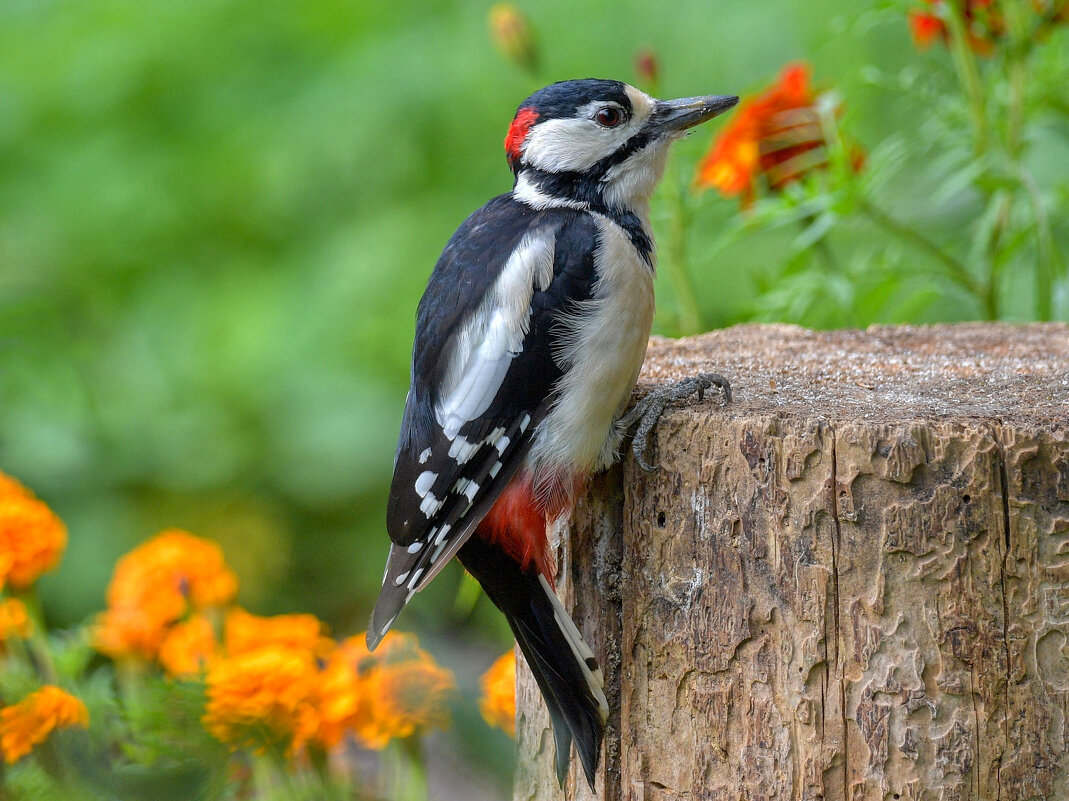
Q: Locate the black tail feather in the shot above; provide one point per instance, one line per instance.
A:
(570, 682)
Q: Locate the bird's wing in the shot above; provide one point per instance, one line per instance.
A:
(483, 378)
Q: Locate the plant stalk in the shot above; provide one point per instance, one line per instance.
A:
(954, 269)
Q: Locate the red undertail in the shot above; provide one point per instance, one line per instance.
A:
(517, 522)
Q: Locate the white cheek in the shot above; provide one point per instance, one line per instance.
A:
(572, 145)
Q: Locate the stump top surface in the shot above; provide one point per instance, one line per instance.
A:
(990, 371)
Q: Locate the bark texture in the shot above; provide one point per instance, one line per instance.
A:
(851, 583)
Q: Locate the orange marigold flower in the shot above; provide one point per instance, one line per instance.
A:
(32, 538)
(409, 696)
(31, 720)
(156, 585)
(188, 647)
(983, 20)
(376, 697)
(343, 704)
(498, 702)
(244, 632)
(14, 619)
(261, 698)
(776, 134)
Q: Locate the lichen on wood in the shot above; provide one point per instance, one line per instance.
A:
(850, 583)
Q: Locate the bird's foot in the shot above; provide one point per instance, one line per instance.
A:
(643, 416)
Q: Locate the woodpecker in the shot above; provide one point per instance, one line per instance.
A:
(529, 340)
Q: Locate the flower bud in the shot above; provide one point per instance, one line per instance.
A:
(511, 34)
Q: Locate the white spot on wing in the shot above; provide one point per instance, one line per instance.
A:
(425, 482)
(400, 578)
(425, 455)
(501, 444)
(415, 577)
(415, 546)
(461, 450)
(494, 470)
(430, 504)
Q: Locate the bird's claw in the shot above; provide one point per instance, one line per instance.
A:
(645, 413)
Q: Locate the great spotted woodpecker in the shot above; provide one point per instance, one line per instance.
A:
(529, 340)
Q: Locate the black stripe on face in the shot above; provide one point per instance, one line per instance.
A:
(583, 188)
(622, 154)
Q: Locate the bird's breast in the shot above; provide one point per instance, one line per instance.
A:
(602, 344)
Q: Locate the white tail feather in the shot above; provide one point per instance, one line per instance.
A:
(595, 679)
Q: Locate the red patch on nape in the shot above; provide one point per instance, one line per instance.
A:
(525, 118)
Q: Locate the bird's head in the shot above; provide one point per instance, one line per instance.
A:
(598, 141)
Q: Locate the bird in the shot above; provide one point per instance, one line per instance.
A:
(528, 343)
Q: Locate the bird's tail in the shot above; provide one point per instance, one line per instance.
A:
(562, 664)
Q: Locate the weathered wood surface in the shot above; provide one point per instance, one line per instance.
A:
(851, 583)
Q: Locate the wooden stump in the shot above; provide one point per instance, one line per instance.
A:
(850, 583)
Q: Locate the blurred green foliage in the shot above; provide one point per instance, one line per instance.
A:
(217, 217)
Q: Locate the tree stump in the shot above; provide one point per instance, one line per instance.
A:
(850, 583)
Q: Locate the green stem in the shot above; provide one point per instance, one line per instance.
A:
(405, 765)
(968, 74)
(1015, 114)
(954, 269)
(38, 639)
(822, 247)
(688, 313)
(1045, 266)
(991, 256)
(1045, 241)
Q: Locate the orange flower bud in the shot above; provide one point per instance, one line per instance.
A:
(648, 69)
(512, 36)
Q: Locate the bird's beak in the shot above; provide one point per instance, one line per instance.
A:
(672, 116)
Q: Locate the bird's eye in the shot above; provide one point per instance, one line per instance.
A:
(609, 116)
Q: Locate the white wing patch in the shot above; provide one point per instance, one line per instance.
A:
(483, 349)
(430, 505)
(425, 482)
(460, 450)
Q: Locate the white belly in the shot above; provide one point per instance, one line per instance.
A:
(604, 350)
